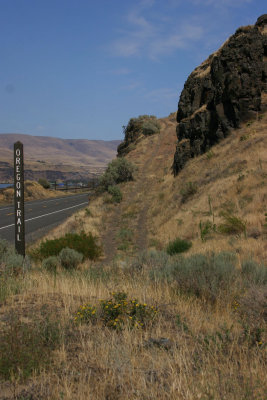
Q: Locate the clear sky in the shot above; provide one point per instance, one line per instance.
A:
(83, 68)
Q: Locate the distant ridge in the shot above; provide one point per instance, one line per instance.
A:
(56, 158)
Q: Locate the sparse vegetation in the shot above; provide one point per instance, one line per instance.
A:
(232, 224)
(188, 190)
(206, 228)
(9, 286)
(244, 137)
(88, 212)
(210, 154)
(26, 348)
(125, 238)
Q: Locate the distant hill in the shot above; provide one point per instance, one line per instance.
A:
(55, 158)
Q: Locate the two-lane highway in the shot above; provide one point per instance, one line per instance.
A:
(40, 216)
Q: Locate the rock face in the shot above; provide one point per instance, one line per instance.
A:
(223, 91)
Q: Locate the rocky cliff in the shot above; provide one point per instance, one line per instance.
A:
(223, 91)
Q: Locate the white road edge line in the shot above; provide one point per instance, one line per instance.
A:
(41, 202)
(45, 215)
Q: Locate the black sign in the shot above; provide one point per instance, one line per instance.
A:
(19, 198)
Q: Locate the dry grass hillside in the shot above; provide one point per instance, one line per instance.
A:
(32, 191)
(55, 158)
(227, 182)
(146, 326)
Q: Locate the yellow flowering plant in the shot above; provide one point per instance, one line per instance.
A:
(86, 313)
(117, 312)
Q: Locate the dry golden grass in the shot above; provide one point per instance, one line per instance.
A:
(230, 177)
(33, 191)
(95, 362)
(208, 356)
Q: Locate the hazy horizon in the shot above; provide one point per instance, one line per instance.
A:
(56, 137)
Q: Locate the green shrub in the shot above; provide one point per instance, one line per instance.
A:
(254, 273)
(125, 234)
(116, 193)
(51, 263)
(109, 178)
(124, 168)
(118, 171)
(117, 312)
(88, 212)
(13, 263)
(26, 348)
(252, 306)
(150, 127)
(145, 124)
(188, 190)
(151, 259)
(178, 246)
(4, 246)
(85, 244)
(205, 229)
(10, 285)
(206, 276)
(136, 127)
(11, 267)
(244, 137)
(209, 154)
(43, 182)
(231, 224)
(70, 258)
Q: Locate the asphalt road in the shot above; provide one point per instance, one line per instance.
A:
(40, 216)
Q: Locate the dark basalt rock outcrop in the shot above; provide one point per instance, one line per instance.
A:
(223, 91)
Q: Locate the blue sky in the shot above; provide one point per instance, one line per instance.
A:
(83, 68)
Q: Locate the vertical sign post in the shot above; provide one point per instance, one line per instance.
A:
(19, 198)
